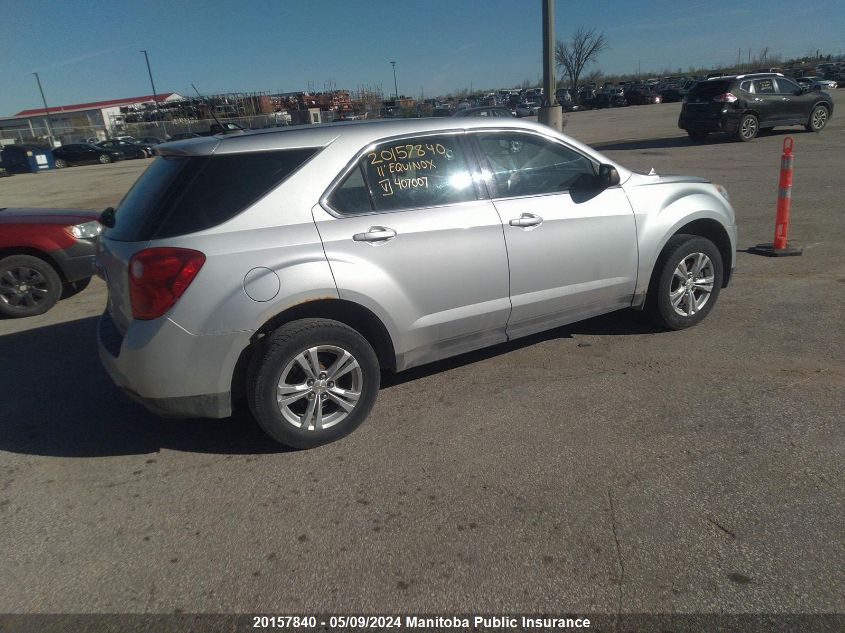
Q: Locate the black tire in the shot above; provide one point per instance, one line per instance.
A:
(60, 163)
(280, 350)
(698, 135)
(75, 287)
(41, 282)
(748, 128)
(818, 119)
(105, 159)
(665, 283)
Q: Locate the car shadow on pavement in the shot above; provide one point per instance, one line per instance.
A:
(619, 323)
(59, 401)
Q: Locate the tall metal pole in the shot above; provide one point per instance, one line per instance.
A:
(47, 112)
(549, 52)
(395, 89)
(550, 113)
(152, 83)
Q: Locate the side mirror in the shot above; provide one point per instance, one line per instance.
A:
(107, 217)
(608, 176)
(801, 90)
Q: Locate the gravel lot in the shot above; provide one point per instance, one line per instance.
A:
(603, 467)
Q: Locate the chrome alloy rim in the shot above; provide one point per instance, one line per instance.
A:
(692, 284)
(819, 118)
(319, 388)
(749, 127)
(23, 287)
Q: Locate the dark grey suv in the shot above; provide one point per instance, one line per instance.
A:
(745, 104)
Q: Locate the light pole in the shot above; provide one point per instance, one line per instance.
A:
(152, 83)
(395, 89)
(47, 112)
(551, 112)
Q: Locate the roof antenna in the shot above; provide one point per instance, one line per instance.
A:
(223, 130)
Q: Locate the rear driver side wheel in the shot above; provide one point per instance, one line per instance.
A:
(748, 128)
(314, 382)
(105, 159)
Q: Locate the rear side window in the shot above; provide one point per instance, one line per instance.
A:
(184, 194)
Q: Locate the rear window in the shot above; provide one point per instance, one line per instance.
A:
(184, 194)
(710, 88)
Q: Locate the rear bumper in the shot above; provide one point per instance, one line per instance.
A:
(172, 372)
(720, 122)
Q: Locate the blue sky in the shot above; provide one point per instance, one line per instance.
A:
(87, 50)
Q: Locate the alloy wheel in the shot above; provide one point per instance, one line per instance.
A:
(692, 284)
(749, 127)
(23, 287)
(319, 388)
(819, 118)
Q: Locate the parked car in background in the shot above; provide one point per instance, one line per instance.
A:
(129, 149)
(45, 255)
(744, 104)
(488, 111)
(215, 297)
(527, 108)
(84, 153)
(610, 98)
(677, 92)
(817, 83)
(642, 94)
(150, 140)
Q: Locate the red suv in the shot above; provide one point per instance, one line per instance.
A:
(45, 255)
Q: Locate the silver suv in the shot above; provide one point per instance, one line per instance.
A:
(288, 267)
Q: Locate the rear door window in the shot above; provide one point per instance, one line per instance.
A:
(418, 172)
(764, 86)
(177, 195)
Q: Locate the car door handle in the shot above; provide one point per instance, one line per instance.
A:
(527, 220)
(375, 234)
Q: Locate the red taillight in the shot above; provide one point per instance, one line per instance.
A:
(158, 277)
(727, 97)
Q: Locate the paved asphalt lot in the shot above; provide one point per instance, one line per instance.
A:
(601, 467)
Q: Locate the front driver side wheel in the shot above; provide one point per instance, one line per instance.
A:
(817, 120)
(313, 382)
(685, 283)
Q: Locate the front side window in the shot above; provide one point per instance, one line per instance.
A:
(786, 86)
(528, 165)
(410, 173)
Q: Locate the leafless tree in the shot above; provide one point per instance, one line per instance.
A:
(573, 56)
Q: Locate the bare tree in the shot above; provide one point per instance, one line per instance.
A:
(573, 56)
